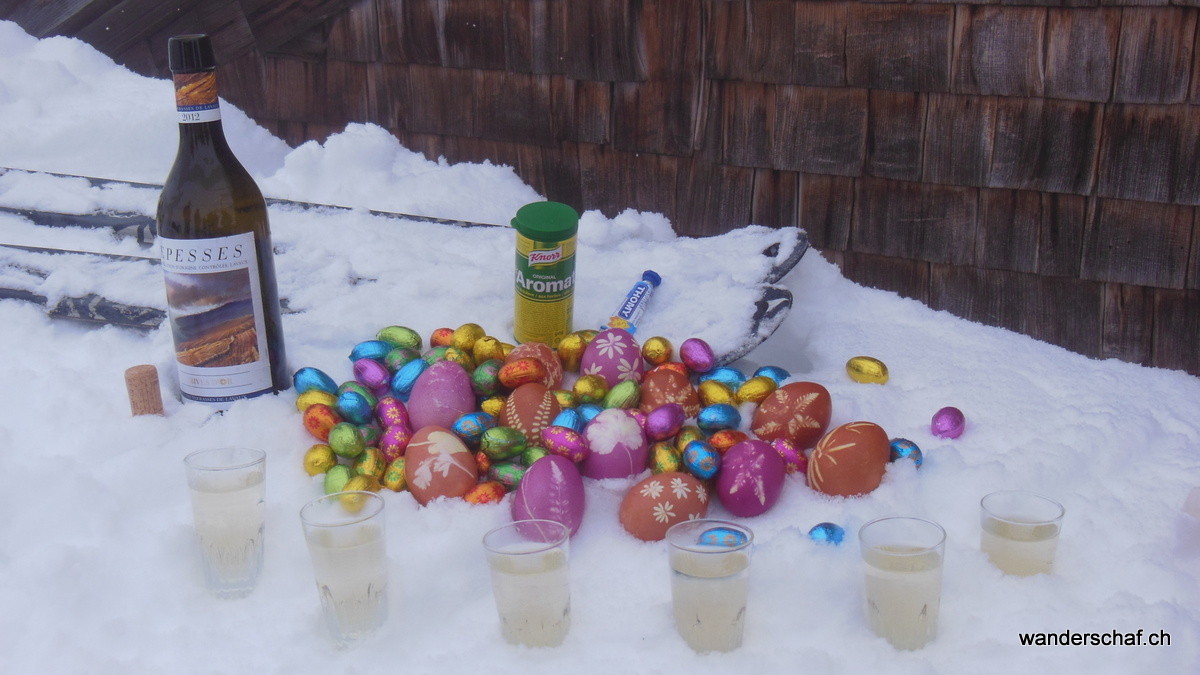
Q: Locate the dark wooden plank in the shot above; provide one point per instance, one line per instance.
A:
(391, 95)
(1128, 327)
(474, 34)
(295, 89)
(1064, 220)
(679, 50)
(548, 35)
(958, 143)
(775, 200)
(1193, 275)
(899, 47)
(440, 100)
(1081, 50)
(1150, 153)
(826, 207)
(125, 24)
(581, 110)
(347, 93)
(1138, 243)
(1009, 230)
(354, 33)
(819, 129)
(1044, 144)
(519, 17)
(657, 116)
(244, 80)
(277, 22)
(603, 40)
(921, 221)
(61, 17)
(1154, 59)
(820, 46)
(752, 41)
(998, 50)
(908, 278)
(613, 181)
(409, 31)
(1177, 330)
(512, 107)
(711, 198)
(745, 117)
(310, 45)
(895, 134)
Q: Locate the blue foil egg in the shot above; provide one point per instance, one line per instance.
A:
(722, 536)
(569, 418)
(370, 349)
(701, 460)
(774, 372)
(354, 407)
(902, 448)
(827, 533)
(726, 375)
(588, 411)
(308, 379)
(718, 416)
(406, 377)
(470, 427)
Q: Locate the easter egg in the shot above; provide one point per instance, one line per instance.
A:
(794, 459)
(566, 398)
(487, 348)
(570, 349)
(718, 416)
(867, 370)
(565, 442)
(588, 411)
(799, 412)
(309, 379)
(336, 478)
(390, 412)
(370, 463)
(546, 356)
(590, 388)
(440, 396)
(370, 349)
(345, 440)
(774, 372)
(485, 379)
(849, 460)
(618, 445)
(722, 536)
(660, 387)
(471, 426)
(438, 464)
(394, 441)
(400, 337)
(570, 418)
(487, 492)
(713, 392)
(319, 459)
(493, 405)
(464, 336)
(393, 476)
(315, 396)
(672, 365)
(665, 457)
(516, 372)
(725, 439)
(370, 433)
(614, 355)
(319, 419)
(460, 356)
(949, 422)
(551, 489)
(664, 421)
(441, 337)
(354, 407)
(697, 355)
(659, 501)
(508, 474)
(435, 354)
(501, 443)
(827, 533)
(532, 454)
(529, 409)
(657, 350)
(755, 389)
(701, 460)
(751, 478)
(902, 448)
(372, 374)
(727, 375)
(624, 395)
(406, 377)
(686, 435)
(398, 357)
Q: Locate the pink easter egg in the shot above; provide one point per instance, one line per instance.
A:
(551, 489)
(697, 355)
(565, 442)
(665, 421)
(949, 422)
(618, 444)
(441, 394)
(391, 411)
(614, 355)
(794, 459)
(751, 478)
(394, 441)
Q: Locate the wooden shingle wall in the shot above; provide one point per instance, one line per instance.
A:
(1031, 165)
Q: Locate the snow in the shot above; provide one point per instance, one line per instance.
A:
(99, 571)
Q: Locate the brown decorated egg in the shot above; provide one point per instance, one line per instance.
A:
(660, 387)
(799, 412)
(438, 464)
(548, 358)
(850, 460)
(530, 409)
(661, 500)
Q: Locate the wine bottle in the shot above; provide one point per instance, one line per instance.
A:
(215, 245)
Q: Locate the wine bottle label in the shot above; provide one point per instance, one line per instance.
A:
(196, 97)
(214, 300)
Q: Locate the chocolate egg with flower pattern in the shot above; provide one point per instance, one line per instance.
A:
(544, 354)
(565, 442)
(438, 464)
(440, 396)
(519, 371)
(660, 387)
(617, 443)
(394, 441)
(529, 409)
(659, 501)
(551, 489)
(319, 419)
(751, 478)
(614, 355)
(799, 412)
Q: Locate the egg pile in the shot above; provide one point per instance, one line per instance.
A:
(473, 417)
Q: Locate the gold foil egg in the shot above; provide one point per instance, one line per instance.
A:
(370, 463)
(665, 457)
(394, 477)
(756, 389)
(867, 370)
(506, 349)
(570, 351)
(657, 350)
(319, 459)
(713, 392)
(487, 348)
(464, 336)
(687, 435)
(565, 397)
(492, 405)
(590, 388)
(315, 396)
(462, 357)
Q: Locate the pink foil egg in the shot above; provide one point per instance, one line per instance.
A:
(565, 442)
(391, 411)
(394, 441)
(949, 422)
(664, 421)
(697, 355)
(793, 456)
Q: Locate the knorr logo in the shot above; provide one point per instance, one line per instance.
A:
(545, 257)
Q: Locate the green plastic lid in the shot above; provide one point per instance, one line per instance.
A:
(546, 221)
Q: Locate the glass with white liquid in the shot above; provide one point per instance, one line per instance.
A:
(903, 578)
(1019, 531)
(228, 490)
(710, 575)
(531, 581)
(345, 536)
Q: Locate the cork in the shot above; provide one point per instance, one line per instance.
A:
(141, 382)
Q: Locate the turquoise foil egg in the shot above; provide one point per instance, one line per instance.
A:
(902, 448)
(588, 411)
(722, 536)
(718, 416)
(701, 460)
(309, 379)
(354, 407)
(774, 372)
(471, 426)
(569, 418)
(726, 375)
(406, 377)
(370, 349)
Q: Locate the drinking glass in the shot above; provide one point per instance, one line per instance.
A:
(531, 581)
(902, 559)
(1018, 531)
(710, 574)
(228, 489)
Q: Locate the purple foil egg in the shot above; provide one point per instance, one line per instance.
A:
(665, 421)
(949, 422)
(697, 355)
(372, 374)
(394, 442)
(794, 458)
(391, 411)
(565, 442)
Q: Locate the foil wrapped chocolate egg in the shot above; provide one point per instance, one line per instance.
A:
(315, 396)
(370, 463)
(441, 337)
(471, 426)
(725, 439)
(390, 411)
(532, 454)
(372, 374)
(460, 356)
(464, 336)
(664, 421)
(435, 354)
(354, 407)
(637, 415)
(570, 418)
(319, 419)
(722, 536)
(487, 492)
(370, 433)
(712, 392)
(774, 372)
(565, 397)
(565, 442)
(493, 405)
(482, 463)
(624, 395)
(902, 448)
(755, 389)
(794, 459)
(318, 459)
(521, 371)
(665, 457)
(399, 356)
(949, 422)
(487, 348)
(501, 443)
(370, 349)
(686, 435)
(394, 441)
(358, 483)
(588, 411)
(867, 370)
(728, 375)
(357, 388)
(485, 379)
(336, 478)
(394, 477)
(827, 533)
(697, 355)
(508, 474)
(701, 460)
(400, 337)
(718, 416)
(570, 350)
(346, 441)
(657, 350)
(309, 379)
(590, 388)
(406, 377)
(676, 366)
